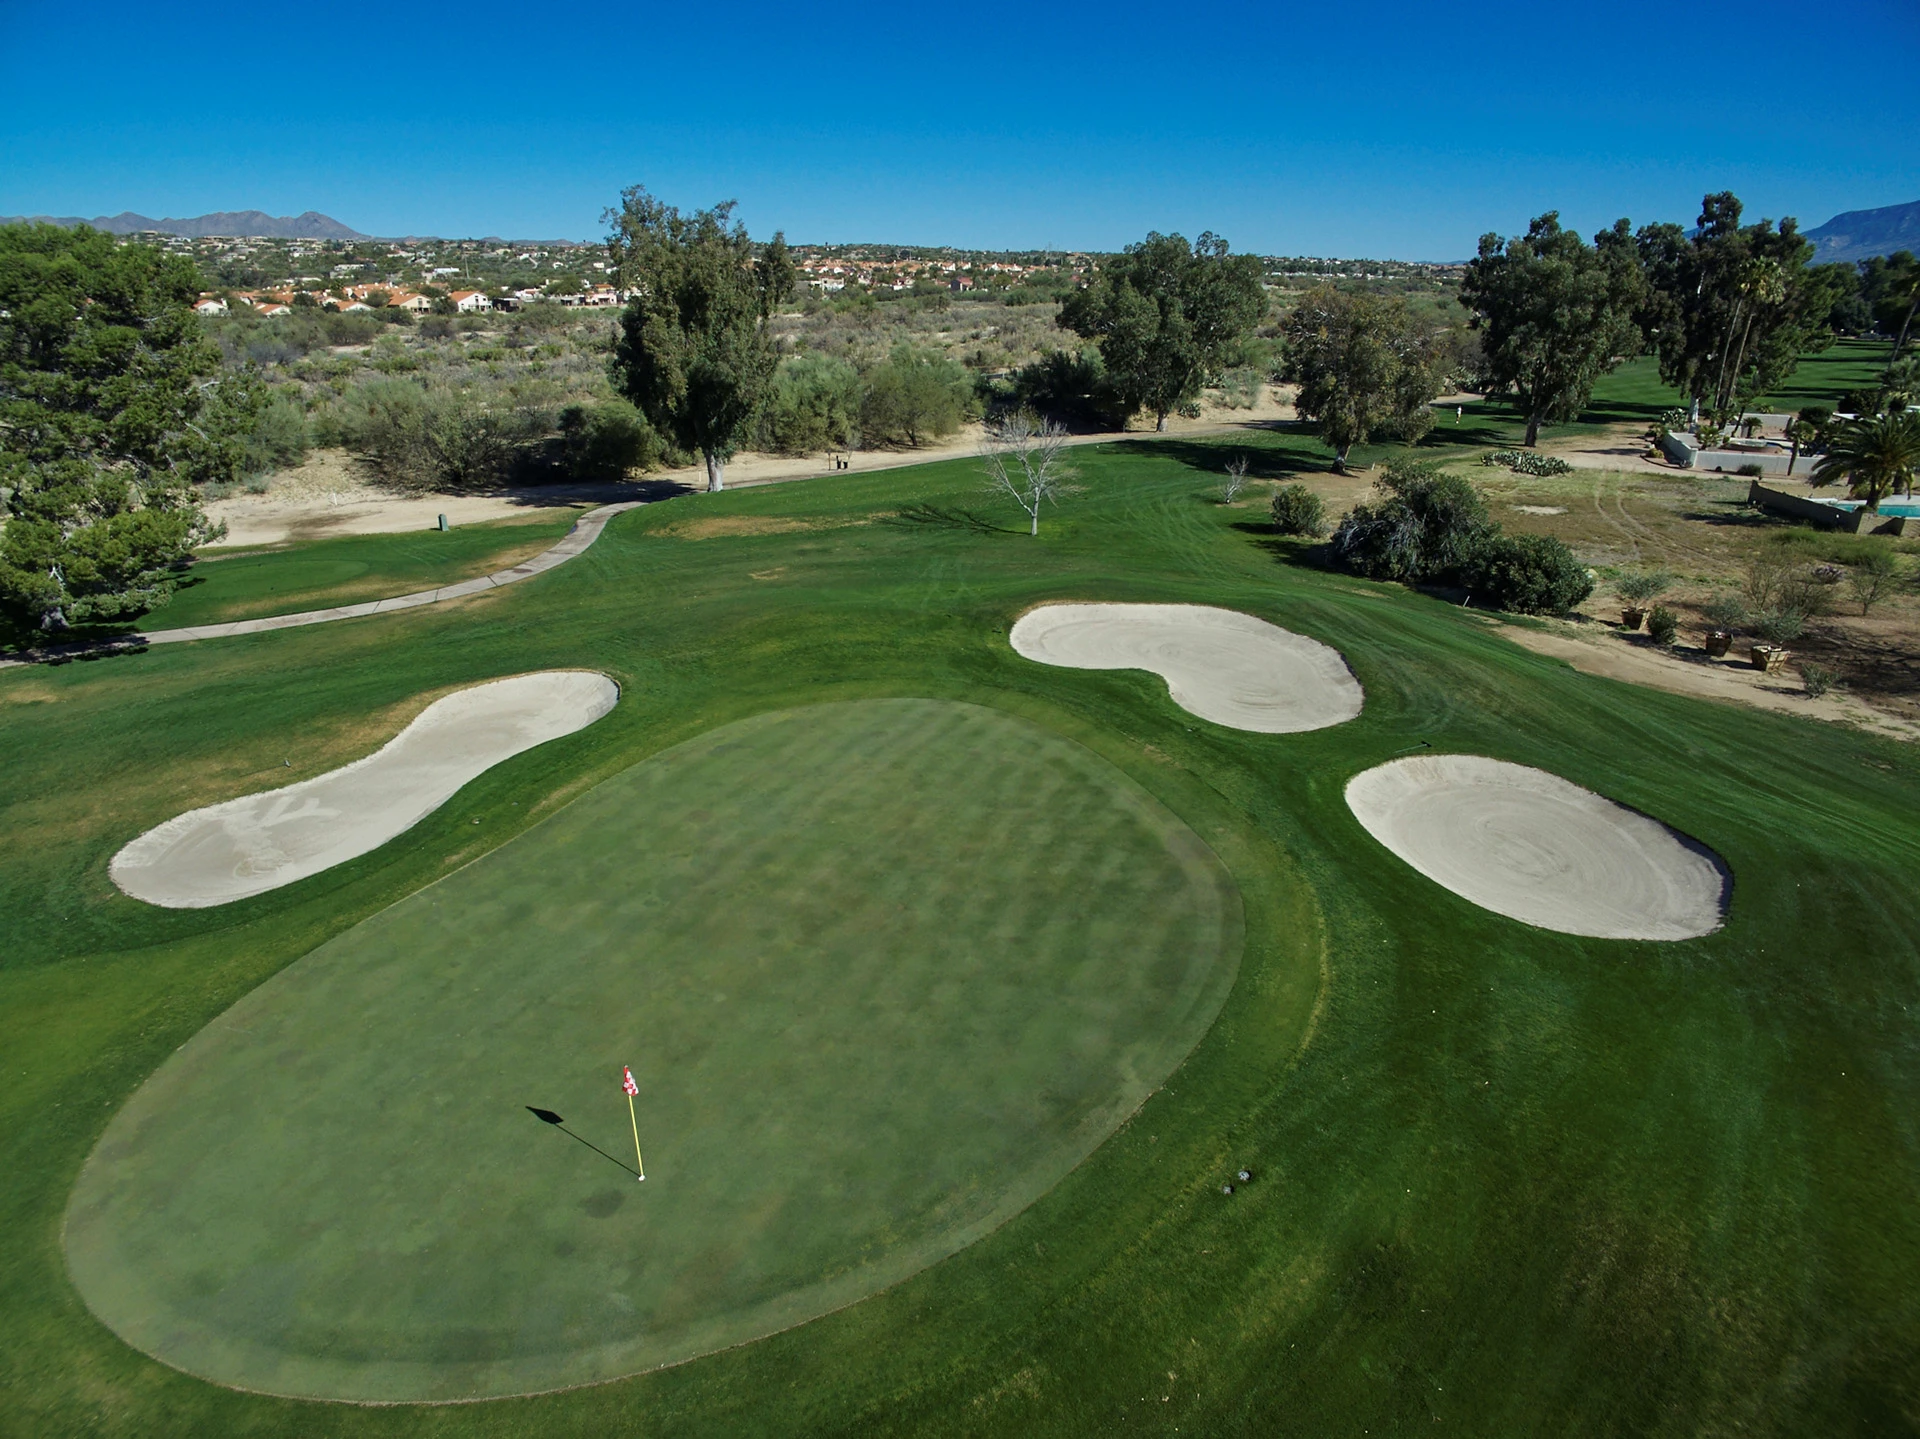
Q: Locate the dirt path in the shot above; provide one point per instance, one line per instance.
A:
(1597, 650)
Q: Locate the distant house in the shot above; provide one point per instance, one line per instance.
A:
(269, 307)
(961, 282)
(212, 305)
(470, 302)
(601, 297)
(413, 304)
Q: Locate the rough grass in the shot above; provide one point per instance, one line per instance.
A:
(1509, 1181)
(348, 570)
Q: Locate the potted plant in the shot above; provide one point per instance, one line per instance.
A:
(1637, 587)
(1725, 612)
(1774, 628)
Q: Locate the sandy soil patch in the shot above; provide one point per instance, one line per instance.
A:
(1540, 849)
(1596, 650)
(711, 527)
(259, 842)
(1219, 664)
(331, 495)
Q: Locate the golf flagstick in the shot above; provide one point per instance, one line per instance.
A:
(626, 1083)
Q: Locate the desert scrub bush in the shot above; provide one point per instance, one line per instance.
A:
(1817, 680)
(1639, 586)
(1528, 462)
(1778, 624)
(1528, 575)
(606, 441)
(914, 396)
(1725, 611)
(1871, 577)
(813, 405)
(280, 438)
(1663, 626)
(1297, 510)
(1240, 388)
(1426, 526)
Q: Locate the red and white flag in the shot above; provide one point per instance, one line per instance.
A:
(626, 1080)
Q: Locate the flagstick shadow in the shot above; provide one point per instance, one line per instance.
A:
(557, 1124)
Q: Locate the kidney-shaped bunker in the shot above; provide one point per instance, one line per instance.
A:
(259, 842)
(1224, 666)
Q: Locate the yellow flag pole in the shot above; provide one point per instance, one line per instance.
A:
(640, 1163)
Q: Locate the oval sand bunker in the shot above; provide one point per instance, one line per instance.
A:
(1222, 665)
(1540, 849)
(261, 841)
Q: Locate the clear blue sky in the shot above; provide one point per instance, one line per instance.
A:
(1327, 128)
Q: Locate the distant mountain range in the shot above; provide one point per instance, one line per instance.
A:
(1856, 235)
(1862, 234)
(310, 226)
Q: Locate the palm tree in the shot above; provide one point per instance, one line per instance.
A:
(1876, 457)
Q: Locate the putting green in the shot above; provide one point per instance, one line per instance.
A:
(885, 971)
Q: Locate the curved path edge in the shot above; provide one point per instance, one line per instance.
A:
(576, 541)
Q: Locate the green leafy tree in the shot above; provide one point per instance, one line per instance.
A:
(1890, 286)
(1873, 457)
(814, 405)
(913, 396)
(1730, 308)
(1168, 317)
(1556, 314)
(112, 410)
(693, 351)
(1364, 365)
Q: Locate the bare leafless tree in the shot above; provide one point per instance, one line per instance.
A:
(1023, 457)
(1236, 480)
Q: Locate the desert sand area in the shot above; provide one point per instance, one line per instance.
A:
(1536, 848)
(1230, 668)
(1600, 650)
(259, 842)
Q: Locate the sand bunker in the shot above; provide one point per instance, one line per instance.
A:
(1539, 849)
(1224, 666)
(262, 841)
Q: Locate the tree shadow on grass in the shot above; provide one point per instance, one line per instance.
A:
(1296, 550)
(1264, 462)
(946, 517)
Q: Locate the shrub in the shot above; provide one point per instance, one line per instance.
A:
(1779, 624)
(1663, 625)
(1297, 510)
(1529, 575)
(421, 439)
(1528, 462)
(1750, 471)
(279, 439)
(1817, 679)
(1725, 611)
(1642, 585)
(1240, 388)
(1871, 577)
(1426, 526)
(914, 396)
(814, 405)
(606, 441)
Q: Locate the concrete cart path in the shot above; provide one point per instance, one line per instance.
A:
(576, 541)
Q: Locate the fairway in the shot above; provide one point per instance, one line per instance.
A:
(884, 970)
